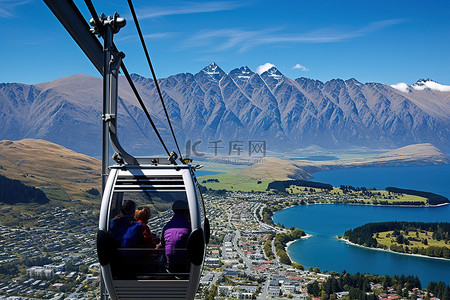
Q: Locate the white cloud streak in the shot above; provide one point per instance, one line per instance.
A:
(7, 8)
(188, 8)
(151, 36)
(263, 68)
(402, 87)
(224, 39)
(300, 67)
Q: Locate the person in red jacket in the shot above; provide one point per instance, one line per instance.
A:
(142, 215)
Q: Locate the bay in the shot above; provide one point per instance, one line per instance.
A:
(433, 179)
(325, 221)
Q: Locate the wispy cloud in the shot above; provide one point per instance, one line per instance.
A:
(300, 67)
(185, 8)
(263, 68)
(224, 39)
(7, 8)
(403, 87)
(151, 36)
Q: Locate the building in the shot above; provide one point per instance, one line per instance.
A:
(40, 272)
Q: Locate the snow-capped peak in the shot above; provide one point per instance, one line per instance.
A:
(213, 72)
(242, 73)
(421, 85)
(274, 73)
(246, 70)
(212, 69)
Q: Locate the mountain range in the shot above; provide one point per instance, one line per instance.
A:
(212, 106)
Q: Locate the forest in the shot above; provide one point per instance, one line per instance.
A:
(433, 199)
(366, 235)
(358, 285)
(13, 191)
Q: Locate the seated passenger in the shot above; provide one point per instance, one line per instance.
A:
(142, 215)
(123, 229)
(120, 224)
(174, 238)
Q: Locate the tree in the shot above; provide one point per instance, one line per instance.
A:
(298, 266)
(284, 258)
(313, 288)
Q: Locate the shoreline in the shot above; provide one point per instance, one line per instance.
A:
(390, 251)
(307, 236)
(377, 205)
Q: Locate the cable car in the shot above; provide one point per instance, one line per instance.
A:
(135, 271)
(165, 269)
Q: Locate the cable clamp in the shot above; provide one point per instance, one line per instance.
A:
(108, 117)
(173, 157)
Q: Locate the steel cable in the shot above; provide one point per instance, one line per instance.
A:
(138, 28)
(127, 76)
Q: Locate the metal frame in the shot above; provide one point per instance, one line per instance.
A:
(183, 289)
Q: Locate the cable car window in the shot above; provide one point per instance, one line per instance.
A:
(201, 204)
(205, 221)
(151, 230)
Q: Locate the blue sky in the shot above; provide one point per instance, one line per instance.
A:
(373, 41)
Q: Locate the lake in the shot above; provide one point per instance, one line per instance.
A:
(433, 179)
(199, 173)
(325, 221)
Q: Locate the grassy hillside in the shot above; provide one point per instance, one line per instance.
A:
(63, 174)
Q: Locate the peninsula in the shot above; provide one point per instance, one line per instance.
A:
(427, 239)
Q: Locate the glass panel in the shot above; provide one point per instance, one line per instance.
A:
(202, 205)
(204, 220)
(151, 230)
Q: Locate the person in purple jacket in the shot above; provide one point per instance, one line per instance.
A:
(174, 238)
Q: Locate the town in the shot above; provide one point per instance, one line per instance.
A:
(57, 258)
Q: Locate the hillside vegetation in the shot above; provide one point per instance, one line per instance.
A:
(430, 239)
(60, 173)
(13, 191)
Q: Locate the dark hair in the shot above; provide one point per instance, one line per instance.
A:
(128, 207)
(142, 213)
(180, 206)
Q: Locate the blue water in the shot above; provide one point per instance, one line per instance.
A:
(325, 221)
(435, 179)
(206, 172)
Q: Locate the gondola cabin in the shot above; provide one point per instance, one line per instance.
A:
(168, 263)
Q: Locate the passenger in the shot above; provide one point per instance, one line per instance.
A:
(174, 238)
(120, 224)
(142, 215)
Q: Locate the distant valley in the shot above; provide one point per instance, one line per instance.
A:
(212, 105)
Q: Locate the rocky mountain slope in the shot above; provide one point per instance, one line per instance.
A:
(212, 105)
